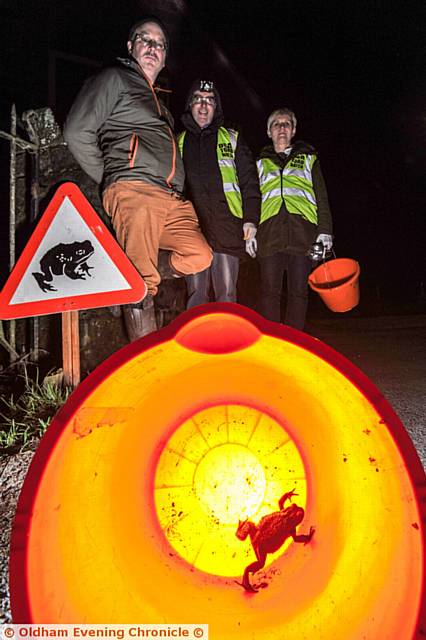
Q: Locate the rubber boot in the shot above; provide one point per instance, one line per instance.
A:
(140, 318)
(164, 266)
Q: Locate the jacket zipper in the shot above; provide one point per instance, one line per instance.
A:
(134, 142)
(173, 171)
(283, 201)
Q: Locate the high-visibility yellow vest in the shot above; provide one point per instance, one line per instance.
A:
(293, 184)
(226, 146)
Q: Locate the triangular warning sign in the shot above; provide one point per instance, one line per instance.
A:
(71, 262)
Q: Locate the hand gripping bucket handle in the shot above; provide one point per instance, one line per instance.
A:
(336, 282)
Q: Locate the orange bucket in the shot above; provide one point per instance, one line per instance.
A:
(336, 281)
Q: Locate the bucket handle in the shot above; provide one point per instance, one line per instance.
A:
(323, 260)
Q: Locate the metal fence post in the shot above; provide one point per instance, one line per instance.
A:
(12, 221)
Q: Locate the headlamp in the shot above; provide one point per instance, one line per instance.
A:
(206, 85)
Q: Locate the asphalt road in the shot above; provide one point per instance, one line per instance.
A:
(391, 351)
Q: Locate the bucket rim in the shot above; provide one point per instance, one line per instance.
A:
(350, 278)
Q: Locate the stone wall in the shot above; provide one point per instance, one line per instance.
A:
(100, 333)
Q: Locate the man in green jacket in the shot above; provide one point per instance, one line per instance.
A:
(122, 135)
(295, 214)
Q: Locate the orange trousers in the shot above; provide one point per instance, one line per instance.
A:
(147, 218)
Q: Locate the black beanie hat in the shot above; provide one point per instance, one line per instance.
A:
(138, 24)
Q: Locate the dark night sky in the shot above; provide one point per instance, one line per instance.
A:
(354, 72)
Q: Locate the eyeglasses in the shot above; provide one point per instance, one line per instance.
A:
(149, 42)
(209, 100)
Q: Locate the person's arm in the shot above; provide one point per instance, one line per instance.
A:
(248, 181)
(325, 224)
(91, 108)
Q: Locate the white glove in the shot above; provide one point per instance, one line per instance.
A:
(249, 231)
(326, 240)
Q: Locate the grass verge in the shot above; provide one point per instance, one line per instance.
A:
(24, 417)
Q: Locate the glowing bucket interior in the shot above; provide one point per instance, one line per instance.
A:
(129, 511)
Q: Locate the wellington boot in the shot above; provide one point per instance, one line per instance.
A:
(140, 321)
(164, 266)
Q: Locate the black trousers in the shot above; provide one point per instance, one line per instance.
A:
(272, 270)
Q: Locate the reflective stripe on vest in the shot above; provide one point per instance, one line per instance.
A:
(226, 146)
(296, 188)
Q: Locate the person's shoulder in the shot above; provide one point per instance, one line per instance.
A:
(231, 126)
(103, 81)
(120, 68)
(267, 152)
(110, 71)
(300, 146)
(236, 131)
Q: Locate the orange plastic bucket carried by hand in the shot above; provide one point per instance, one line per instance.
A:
(336, 281)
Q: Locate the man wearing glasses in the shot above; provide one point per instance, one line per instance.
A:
(121, 134)
(221, 181)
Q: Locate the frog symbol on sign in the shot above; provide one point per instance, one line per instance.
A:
(270, 534)
(64, 259)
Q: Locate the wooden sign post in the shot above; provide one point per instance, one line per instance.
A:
(71, 262)
(71, 348)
